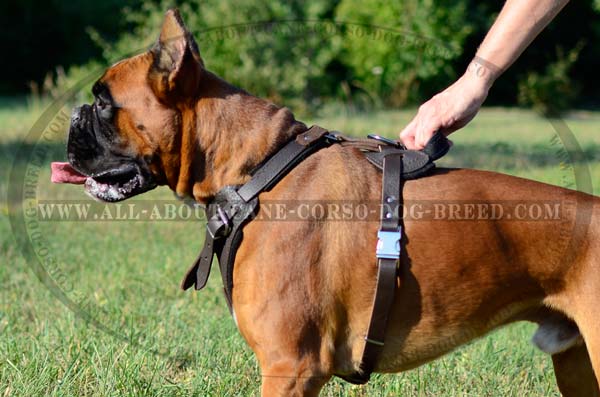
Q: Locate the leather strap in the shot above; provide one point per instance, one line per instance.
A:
(365, 145)
(388, 256)
(284, 160)
(200, 270)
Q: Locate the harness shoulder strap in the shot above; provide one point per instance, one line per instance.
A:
(232, 207)
(284, 160)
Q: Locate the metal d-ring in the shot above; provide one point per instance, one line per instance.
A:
(384, 140)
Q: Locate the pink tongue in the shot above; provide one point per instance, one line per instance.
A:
(64, 173)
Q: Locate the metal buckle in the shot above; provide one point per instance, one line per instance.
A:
(388, 244)
(219, 224)
(333, 136)
(385, 140)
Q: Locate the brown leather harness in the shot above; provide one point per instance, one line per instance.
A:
(233, 207)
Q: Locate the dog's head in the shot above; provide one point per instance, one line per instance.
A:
(127, 141)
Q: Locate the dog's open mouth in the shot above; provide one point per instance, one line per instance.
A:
(109, 186)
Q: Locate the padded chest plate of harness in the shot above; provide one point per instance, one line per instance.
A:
(414, 164)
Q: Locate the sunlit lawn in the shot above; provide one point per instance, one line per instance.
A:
(153, 339)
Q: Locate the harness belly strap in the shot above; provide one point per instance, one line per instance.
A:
(389, 240)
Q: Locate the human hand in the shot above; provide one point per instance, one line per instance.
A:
(447, 111)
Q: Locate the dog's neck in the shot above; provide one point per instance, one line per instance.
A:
(225, 135)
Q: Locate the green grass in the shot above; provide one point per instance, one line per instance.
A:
(160, 341)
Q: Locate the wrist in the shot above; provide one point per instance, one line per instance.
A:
(482, 73)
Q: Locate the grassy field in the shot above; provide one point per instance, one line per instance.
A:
(110, 319)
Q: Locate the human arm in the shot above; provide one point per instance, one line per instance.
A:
(519, 22)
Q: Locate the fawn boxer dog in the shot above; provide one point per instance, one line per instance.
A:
(304, 288)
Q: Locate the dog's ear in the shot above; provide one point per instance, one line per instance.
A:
(177, 67)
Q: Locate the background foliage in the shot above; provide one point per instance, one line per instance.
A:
(427, 36)
(304, 53)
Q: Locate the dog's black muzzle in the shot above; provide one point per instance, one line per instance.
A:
(92, 150)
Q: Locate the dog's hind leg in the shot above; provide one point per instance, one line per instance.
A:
(586, 302)
(581, 299)
(559, 336)
(588, 321)
(574, 373)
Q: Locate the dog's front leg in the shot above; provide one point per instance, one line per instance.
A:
(278, 380)
(295, 351)
(293, 358)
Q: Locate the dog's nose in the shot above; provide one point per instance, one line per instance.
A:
(80, 115)
(76, 115)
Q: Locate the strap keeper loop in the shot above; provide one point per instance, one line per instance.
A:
(219, 225)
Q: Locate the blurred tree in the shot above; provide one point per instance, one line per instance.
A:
(275, 49)
(421, 40)
(38, 35)
(298, 52)
(578, 22)
(552, 91)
